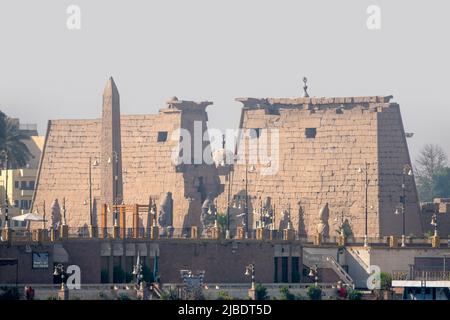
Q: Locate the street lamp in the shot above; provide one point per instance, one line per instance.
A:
(59, 271)
(407, 171)
(434, 223)
(247, 170)
(116, 181)
(366, 185)
(250, 271)
(137, 272)
(314, 273)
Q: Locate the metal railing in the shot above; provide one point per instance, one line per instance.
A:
(431, 275)
(421, 275)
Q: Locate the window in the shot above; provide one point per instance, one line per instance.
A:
(295, 270)
(16, 184)
(310, 133)
(275, 269)
(31, 185)
(162, 136)
(23, 185)
(16, 203)
(255, 133)
(25, 204)
(284, 269)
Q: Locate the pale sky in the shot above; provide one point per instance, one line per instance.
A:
(218, 50)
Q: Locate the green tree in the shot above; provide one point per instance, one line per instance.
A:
(224, 295)
(285, 294)
(385, 280)
(314, 293)
(261, 292)
(354, 295)
(11, 142)
(430, 161)
(441, 183)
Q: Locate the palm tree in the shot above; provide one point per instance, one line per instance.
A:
(11, 143)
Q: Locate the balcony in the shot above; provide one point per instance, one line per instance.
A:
(26, 192)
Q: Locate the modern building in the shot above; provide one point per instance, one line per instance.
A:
(21, 181)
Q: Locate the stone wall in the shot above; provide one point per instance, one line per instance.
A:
(223, 262)
(352, 135)
(147, 166)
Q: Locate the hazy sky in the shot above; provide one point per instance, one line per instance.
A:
(219, 50)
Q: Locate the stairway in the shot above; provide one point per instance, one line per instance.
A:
(157, 292)
(327, 261)
(361, 262)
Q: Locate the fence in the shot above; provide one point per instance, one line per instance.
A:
(194, 233)
(421, 275)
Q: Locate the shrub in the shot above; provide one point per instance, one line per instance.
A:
(354, 295)
(286, 294)
(123, 296)
(103, 296)
(385, 280)
(9, 293)
(299, 296)
(224, 295)
(171, 294)
(261, 292)
(314, 293)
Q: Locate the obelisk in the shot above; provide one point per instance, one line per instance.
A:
(111, 150)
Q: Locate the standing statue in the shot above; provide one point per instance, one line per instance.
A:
(55, 215)
(165, 219)
(322, 226)
(267, 218)
(208, 215)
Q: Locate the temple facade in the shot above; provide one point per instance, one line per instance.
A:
(327, 162)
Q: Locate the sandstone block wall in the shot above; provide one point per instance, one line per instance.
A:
(147, 168)
(350, 132)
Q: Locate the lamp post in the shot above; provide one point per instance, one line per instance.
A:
(434, 223)
(59, 271)
(116, 181)
(250, 271)
(7, 222)
(246, 203)
(228, 232)
(314, 273)
(137, 272)
(246, 220)
(407, 171)
(366, 188)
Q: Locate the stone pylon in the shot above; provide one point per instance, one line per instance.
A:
(111, 150)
